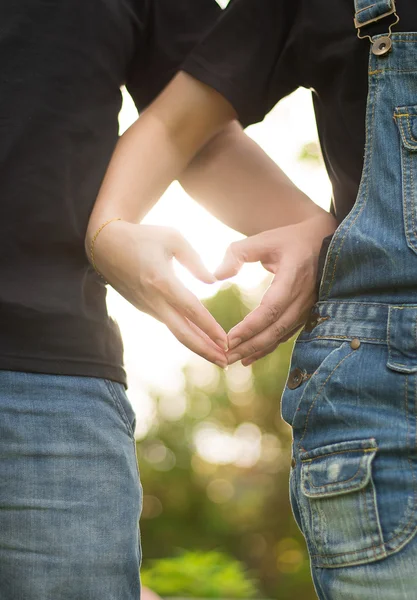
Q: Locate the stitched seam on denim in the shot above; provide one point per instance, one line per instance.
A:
(349, 552)
(119, 407)
(329, 257)
(362, 197)
(410, 133)
(382, 304)
(407, 172)
(415, 332)
(297, 483)
(318, 394)
(377, 516)
(411, 173)
(340, 452)
(136, 456)
(389, 336)
(407, 415)
(367, 517)
(323, 594)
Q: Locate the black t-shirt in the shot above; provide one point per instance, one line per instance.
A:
(261, 50)
(62, 64)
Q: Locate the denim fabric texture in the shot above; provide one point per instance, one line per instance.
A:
(353, 484)
(366, 10)
(70, 496)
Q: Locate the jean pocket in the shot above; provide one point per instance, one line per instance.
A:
(122, 404)
(402, 336)
(315, 361)
(338, 502)
(406, 119)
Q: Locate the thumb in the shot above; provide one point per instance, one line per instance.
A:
(251, 249)
(191, 260)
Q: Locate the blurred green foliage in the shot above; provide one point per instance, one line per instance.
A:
(198, 495)
(199, 575)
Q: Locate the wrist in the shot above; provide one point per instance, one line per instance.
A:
(94, 231)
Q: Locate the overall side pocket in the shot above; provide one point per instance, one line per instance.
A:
(339, 504)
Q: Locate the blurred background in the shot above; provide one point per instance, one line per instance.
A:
(213, 450)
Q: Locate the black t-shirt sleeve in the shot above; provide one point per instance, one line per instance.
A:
(250, 56)
(169, 30)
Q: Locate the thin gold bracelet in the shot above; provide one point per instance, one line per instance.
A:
(94, 239)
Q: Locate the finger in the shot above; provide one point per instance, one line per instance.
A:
(251, 249)
(155, 305)
(187, 335)
(161, 316)
(246, 362)
(191, 260)
(275, 302)
(203, 335)
(188, 305)
(275, 333)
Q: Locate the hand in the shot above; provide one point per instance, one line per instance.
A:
(291, 254)
(137, 261)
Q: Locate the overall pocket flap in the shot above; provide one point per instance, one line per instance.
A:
(337, 469)
(406, 119)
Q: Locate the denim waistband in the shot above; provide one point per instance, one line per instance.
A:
(372, 322)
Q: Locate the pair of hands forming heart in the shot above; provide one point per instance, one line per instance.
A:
(137, 261)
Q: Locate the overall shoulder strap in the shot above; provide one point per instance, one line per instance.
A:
(369, 11)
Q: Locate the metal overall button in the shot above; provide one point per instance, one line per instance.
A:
(295, 379)
(312, 322)
(355, 344)
(293, 463)
(382, 46)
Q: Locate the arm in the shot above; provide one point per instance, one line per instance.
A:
(157, 148)
(136, 259)
(227, 175)
(231, 175)
(237, 182)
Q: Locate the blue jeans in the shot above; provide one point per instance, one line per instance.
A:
(351, 396)
(70, 495)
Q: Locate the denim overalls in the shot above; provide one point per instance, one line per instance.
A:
(352, 389)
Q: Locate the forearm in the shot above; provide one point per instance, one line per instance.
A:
(238, 183)
(156, 149)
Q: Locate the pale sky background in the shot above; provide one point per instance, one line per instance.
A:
(153, 357)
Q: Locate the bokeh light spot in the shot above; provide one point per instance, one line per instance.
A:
(220, 491)
(152, 507)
